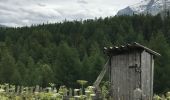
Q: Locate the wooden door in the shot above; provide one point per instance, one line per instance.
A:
(125, 75)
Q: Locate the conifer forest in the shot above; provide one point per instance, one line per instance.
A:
(65, 52)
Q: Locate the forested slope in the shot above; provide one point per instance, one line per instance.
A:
(61, 53)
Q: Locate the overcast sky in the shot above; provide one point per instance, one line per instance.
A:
(27, 12)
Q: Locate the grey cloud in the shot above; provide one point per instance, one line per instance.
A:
(37, 13)
(4, 0)
(38, 17)
(28, 12)
(6, 8)
(82, 1)
(42, 5)
(59, 11)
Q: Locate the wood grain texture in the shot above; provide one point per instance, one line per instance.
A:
(123, 78)
(147, 75)
(130, 71)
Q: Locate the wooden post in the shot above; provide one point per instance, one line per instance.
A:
(70, 92)
(18, 90)
(37, 88)
(31, 90)
(22, 89)
(7, 88)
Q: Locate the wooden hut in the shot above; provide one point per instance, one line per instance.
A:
(131, 71)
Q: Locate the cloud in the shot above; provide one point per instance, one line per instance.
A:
(28, 12)
(40, 4)
(82, 1)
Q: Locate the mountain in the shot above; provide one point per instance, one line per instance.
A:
(152, 7)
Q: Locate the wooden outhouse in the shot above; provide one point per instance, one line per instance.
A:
(131, 71)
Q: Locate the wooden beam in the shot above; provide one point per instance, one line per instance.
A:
(101, 75)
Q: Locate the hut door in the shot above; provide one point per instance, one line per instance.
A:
(135, 75)
(134, 80)
(125, 75)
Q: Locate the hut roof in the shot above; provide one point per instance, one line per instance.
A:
(126, 48)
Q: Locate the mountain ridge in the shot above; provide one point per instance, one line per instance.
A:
(152, 7)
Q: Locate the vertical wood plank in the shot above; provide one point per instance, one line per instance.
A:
(152, 75)
(147, 75)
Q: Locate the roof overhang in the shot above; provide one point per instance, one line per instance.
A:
(128, 47)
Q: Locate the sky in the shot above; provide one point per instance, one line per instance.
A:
(17, 13)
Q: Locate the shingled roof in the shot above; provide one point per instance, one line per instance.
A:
(126, 48)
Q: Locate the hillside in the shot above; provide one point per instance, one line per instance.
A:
(62, 53)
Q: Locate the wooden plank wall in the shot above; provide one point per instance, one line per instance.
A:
(125, 80)
(147, 75)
